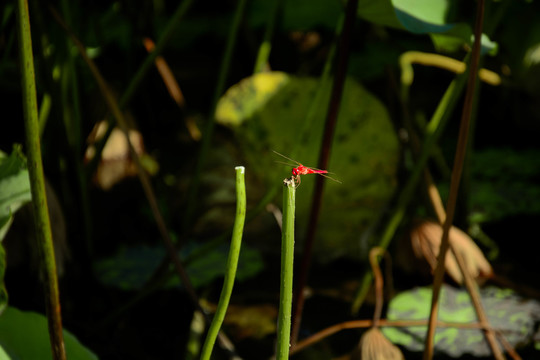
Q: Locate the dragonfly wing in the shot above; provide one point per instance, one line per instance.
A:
(285, 157)
(317, 171)
(284, 163)
(331, 178)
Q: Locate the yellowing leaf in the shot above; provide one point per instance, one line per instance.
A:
(254, 92)
(285, 113)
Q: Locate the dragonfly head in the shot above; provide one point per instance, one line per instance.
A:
(295, 171)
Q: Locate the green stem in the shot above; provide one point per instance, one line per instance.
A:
(209, 128)
(73, 128)
(459, 160)
(44, 111)
(266, 45)
(158, 278)
(181, 10)
(232, 264)
(324, 156)
(286, 280)
(143, 176)
(37, 181)
(433, 132)
(324, 81)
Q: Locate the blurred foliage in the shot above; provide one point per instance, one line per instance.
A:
(283, 110)
(504, 182)
(132, 267)
(267, 111)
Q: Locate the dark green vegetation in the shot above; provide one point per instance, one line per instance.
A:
(120, 296)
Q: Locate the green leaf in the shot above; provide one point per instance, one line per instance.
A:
(14, 187)
(429, 11)
(423, 17)
(416, 16)
(507, 312)
(25, 335)
(270, 111)
(132, 267)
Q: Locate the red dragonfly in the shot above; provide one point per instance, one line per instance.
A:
(304, 170)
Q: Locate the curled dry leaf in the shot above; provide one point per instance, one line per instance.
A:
(375, 346)
(116, 162)
(426, 241)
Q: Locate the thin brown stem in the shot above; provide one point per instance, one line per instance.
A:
(437, 204)
(143, 176)
(377, 274)
(470, 283)
(331, 121)
(362, 324)
(452, 198)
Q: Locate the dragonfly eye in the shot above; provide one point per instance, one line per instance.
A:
(294, 172)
